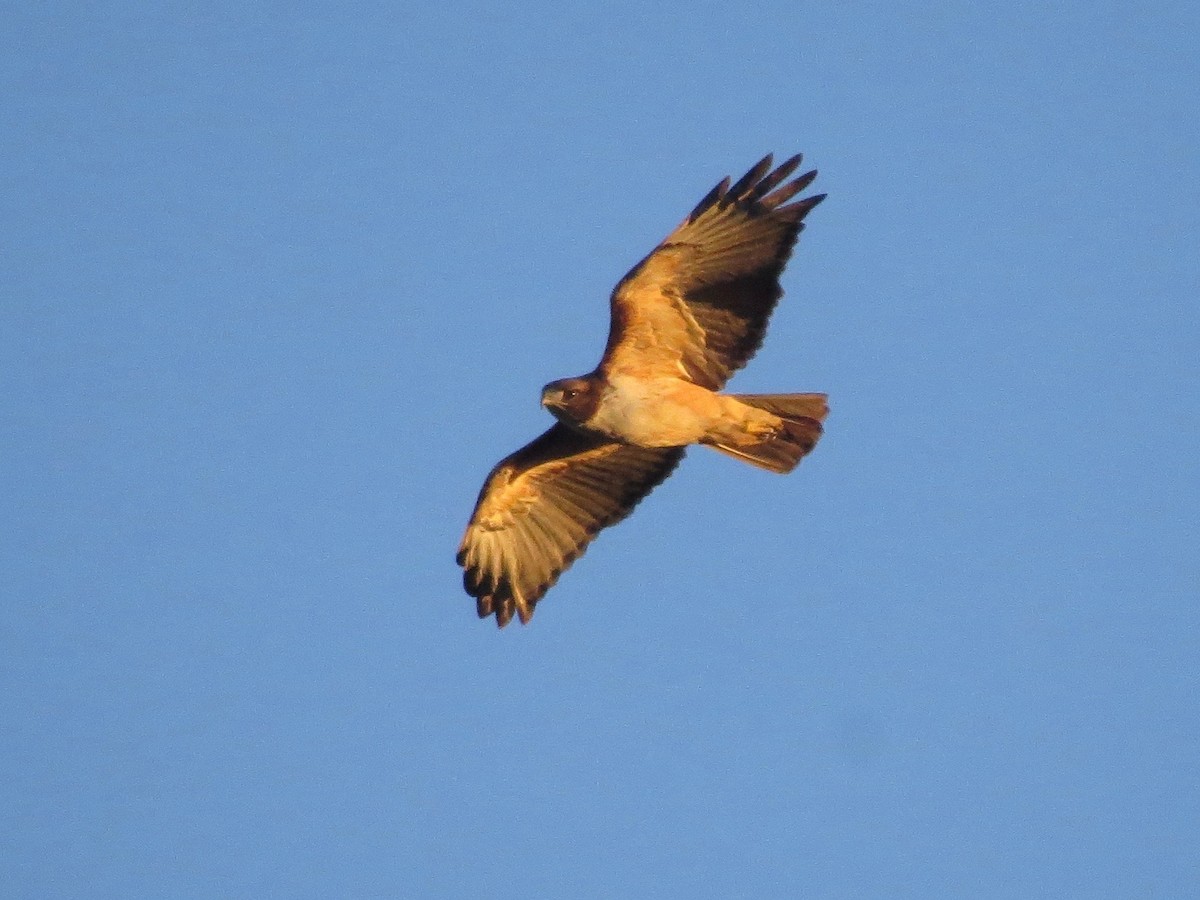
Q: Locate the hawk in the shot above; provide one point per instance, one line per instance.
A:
(682, 321)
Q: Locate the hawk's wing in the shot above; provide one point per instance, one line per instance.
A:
(541, 506)
(698, 305)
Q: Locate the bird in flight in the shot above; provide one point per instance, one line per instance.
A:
(682, 321)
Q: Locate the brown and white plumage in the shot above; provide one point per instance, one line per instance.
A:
(683, 320)
(541, 506)
(701, 300)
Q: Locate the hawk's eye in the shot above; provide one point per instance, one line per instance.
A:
(569, 394)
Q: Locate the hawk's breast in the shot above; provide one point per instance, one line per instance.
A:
(654, 412)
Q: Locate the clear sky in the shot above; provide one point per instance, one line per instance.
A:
(281, 282)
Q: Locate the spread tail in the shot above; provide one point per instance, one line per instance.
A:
(780, 450)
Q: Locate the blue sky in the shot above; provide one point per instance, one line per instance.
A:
(281, 283)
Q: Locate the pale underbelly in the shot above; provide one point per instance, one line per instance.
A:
(659, 413)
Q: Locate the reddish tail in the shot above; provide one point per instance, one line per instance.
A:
(800, 429)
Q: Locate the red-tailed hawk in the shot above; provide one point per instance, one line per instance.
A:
(683, 320)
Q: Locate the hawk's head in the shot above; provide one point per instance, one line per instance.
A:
(572, 400)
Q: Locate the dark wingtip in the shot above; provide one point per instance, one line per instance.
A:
(709, 199)
(765, 190)
(771, 181)
(795, 212)
(786, 192)
(806, 179)
(762, 186)
(751, 178)
(808, 202)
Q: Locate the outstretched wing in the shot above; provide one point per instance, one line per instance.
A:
(698, 305)
(541, 506)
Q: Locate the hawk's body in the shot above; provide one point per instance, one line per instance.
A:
(657, 412)
(683, 320)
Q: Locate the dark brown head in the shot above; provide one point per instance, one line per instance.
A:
(572, 400)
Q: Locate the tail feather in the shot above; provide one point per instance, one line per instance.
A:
(800, 428)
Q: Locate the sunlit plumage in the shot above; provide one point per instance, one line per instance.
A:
(682, 321)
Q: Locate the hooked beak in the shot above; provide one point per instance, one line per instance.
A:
(551, 398)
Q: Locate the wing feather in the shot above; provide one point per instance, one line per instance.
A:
(542, 506)
(698, 306)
